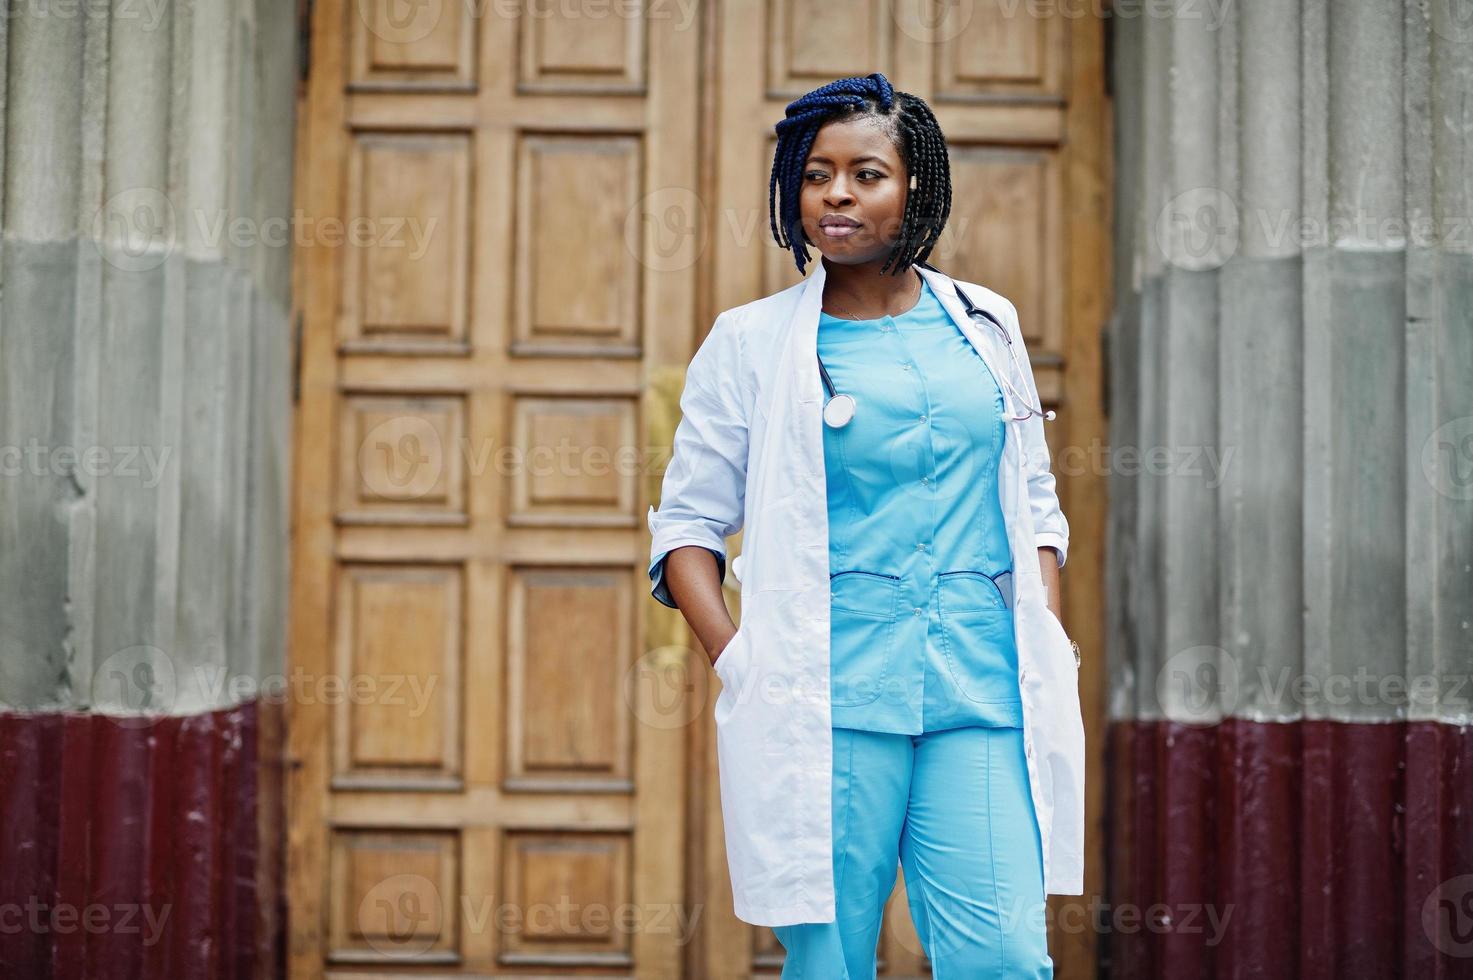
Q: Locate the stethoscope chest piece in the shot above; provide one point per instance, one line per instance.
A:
(838, 411)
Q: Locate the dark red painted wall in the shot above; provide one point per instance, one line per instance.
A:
(1328, 850)
(106, 821)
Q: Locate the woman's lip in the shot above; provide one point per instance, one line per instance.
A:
(838, 231)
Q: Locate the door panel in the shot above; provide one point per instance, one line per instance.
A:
(483, 779)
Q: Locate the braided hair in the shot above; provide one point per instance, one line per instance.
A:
(910, 125)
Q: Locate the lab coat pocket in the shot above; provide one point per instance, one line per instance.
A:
(729, 671)
(724, 660)
(1062, 639)
(862, 617)
(977, 636)
(1053, 671)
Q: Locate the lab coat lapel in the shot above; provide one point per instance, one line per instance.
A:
(803, 345)
(986, 342)
(773, 736)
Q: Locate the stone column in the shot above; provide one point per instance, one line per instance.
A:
(1291, 534)
(145, 405)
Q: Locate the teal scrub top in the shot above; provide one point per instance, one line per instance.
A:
(921, 632)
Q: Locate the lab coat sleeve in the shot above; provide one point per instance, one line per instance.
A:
(703, 492)
(1050, 528)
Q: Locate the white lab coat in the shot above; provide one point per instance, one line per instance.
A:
(748, 451)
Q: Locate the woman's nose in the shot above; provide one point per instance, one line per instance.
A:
(837, 192)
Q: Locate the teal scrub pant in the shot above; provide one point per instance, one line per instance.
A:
(953, 808)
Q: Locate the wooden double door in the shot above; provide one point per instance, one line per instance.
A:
(519, 220)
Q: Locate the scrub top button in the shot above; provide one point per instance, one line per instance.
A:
(923, 418)
(919, 610)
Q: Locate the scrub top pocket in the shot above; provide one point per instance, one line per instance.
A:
(977, 635)
(863, 610)
(968, 591)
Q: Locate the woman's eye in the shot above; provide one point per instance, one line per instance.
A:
(815, 175)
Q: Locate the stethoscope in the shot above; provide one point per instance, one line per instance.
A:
(839, 410)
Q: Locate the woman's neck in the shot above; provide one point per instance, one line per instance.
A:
(862, 292)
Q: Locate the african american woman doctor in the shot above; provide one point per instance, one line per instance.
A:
(876, 430)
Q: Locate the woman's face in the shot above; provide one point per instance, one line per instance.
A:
(853, 192)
